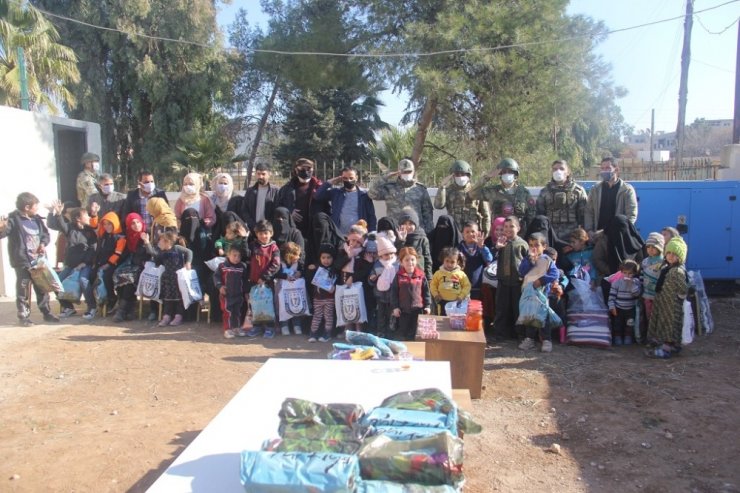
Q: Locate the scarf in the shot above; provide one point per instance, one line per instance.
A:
(221, 200)
(541, 224)
(389, 273)
(191, 198)
(351, 253)
(161, 213)
(132, 237)
(445, 234)
(325, 232)
(283, 225)
(499, 221)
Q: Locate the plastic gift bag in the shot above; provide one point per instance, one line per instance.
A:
(350, 304)
(458, 312)
(126, 273)
(45, 277)
(71, 288)
(149, 281)
(392, 487)
(294, 472)
(292, 299)
(215, 262)
(534, 310)
(490, 274)
(687, 333)
(260, 300)
(187, 281)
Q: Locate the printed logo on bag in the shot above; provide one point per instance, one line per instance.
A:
(351, 308)
(295, 301)
(149, 285)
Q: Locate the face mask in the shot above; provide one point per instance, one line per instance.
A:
(408, 177)
(389, 262)
(349, 185)
(558, 175)
(222, 188)
(189, 189)
(96, 166)
(607, 175)
(108, 189)
(507, 179)
(148, 187)
(304, 174)
(461, 181)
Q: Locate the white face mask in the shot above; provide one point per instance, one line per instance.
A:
(149, 187)
(407, 177)
(222, 188)
(558, 175)
(461, 181)
(96, 166)
(189, 189)
(507, 179)
(108, 189)
(389, 262)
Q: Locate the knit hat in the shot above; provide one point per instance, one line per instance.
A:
(677, 247)
(385, 245)
(371, 246)
(408, 214)
(656, 241)
(328, 248)
(405, 165)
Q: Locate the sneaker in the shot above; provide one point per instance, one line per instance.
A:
(312, 339)
(90, 314)
(176, 321)
(617, 341)
(285, 330)
(546, 347)
(51, 318)
(324, 339)
(254, 332)
(527, 344)
(67, 312)
(25, 322)
(229, 334)
(297, 330)
(165, 321)
(269, 334)
(240, 332)
(152, 317)
(627, 340)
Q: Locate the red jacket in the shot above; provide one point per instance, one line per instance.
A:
(410, 291)
(264, 262)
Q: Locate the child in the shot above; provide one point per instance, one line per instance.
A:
(415, 238)
(651, 270)
(511, 250)
(291, 269)
(557, 299)
(409, 293)
(370, 255)
(323, 295)
(264, 263)
(126, 277)
(449, 283)
(27, 240)
(538, 269)
(110, 251)
(665, 328)
(623, 297)
(174, 257)
(488, 292)
(350, 264)
(234, 234)
(578, 256)
(230, 279)
(477, 257)
(79, 254)
(381, 277)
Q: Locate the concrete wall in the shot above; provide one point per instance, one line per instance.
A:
(28, 163)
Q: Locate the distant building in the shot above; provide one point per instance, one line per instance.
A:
(703, 138)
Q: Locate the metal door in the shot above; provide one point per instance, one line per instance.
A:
(69, 146)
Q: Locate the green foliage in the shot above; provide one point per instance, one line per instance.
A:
(50, 66)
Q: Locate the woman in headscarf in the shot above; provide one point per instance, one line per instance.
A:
(620, 241)
(193, 197)
(325, 232)
(126, 275)
(387, 227)
(445, 234)
(284, 230)
(223, 198)
(163, 219)
(541, 224)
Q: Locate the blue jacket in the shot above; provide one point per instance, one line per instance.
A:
(365, 207)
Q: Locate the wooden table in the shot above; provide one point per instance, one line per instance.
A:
(465, 350)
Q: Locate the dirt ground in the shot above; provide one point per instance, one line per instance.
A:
(100, 407)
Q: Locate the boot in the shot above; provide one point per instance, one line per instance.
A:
(123, 307)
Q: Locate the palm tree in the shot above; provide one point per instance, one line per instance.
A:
(50, 66)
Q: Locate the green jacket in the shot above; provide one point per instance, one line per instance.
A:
(462, 207)
(501, 203)
(398, 194)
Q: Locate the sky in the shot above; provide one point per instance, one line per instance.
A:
(645, 61)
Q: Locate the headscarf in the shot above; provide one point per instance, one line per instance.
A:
(541, 224)
(390, 224)
(161, 212)
(221, 200)
(132, 237)
(499, 221)
(445, 234)
(282, 225)
(229, 217)
(189, 224)
(623, 241)
(112, 218)
(325, 232)
(191, 198)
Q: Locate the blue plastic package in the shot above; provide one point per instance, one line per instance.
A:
(299, 472)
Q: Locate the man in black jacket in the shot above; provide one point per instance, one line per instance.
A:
(259, 199)
(136, 199)
(27, 239)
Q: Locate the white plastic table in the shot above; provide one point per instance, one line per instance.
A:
(211, 462)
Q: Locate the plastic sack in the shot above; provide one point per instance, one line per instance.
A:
(434, 460)
(215, 262)
(260, 300)
(582, 298)
(490, 274)
(44, 277)
(71, 288)
(687, 331)
(99, 290)
(189, 284)
(298, 472)
(391, 416)
(704, 323)
(301, 411)
(341, 439)
(292, 299)
(126, 273)
(150, 281)
(365, 339)
(350, 304)
(534, 310)
(391, 487)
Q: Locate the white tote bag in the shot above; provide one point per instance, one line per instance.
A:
(150, 281)
(187, 281)
(292, 299)
(350, 304)
(687, 333)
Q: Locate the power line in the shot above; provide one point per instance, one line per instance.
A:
(717, 32)
(372, 54)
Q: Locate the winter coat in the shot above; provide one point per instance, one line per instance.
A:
(16, 244)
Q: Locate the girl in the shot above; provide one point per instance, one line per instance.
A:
(665, 328)
(382, 276)
(126, 276)
(415, 238)
(111, 251)
(488, 292)
(511, 251)
(350, 264)
(651, 270)
(450, 283)
(193, 197)
(322, 294)
(291, 268)
(409, 294)
(477, 257)
(174, 257)
(578, 254)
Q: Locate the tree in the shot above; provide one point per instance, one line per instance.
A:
(50, 66)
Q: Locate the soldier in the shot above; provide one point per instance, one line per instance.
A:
(457, 199)
(86, 183)
(563, 201)
(509, 197)
(399, 189)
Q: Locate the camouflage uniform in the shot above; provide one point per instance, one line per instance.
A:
(86, 186)
(462, 207)
(399, 194)
(501, 203)
(564, 205)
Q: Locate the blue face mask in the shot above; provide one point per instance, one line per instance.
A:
(607, 175)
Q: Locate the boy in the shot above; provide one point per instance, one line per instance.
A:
(79, 256)
(322, 293)
(538, 269)
(264, 263)
(477, 257)
(410, 294)
(381, 277)
(27, 240)
(511, 250)
(557, 299)
(230, 279)
(623, 298)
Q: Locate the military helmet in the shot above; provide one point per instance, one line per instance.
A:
(508, 163)
(89, 156)
(460, 166)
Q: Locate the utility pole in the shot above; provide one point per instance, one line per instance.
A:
(23, 79)
(683, 89)
(652, 132)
